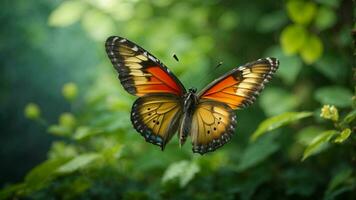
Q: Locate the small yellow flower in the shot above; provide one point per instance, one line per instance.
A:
(329, 112)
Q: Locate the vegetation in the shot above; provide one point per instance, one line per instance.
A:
(296, 142)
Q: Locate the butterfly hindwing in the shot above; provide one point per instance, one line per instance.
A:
(240, 87)
(140, 72)
(156, 117)
(213, 124)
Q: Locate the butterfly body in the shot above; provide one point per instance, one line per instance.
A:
(165, 107)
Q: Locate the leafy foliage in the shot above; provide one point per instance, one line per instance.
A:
(303, 143)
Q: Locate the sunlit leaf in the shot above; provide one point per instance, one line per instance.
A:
(278, 121)
(325, 18)
(59, 130)
(98, 24)
(317, 144)
(32, 111)
(61, 150)
(184, 171)
(257, 152)
(67, 13)
(79, 162)
(343, 136)
(84, 132)
(70, 91)
(334, 95)
(301, 12)
(293, 38)
(67, 120)
(312, 49)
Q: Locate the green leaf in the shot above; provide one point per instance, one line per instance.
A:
(67, 13)
(317, 144)
(334, 95)
(338, 179)
(292, 39)
(326, 65)
(350, 117)
(84, 132)
(67, 120)
(98, 24)
(301, 12)
(78, 162)
(39, 176)
(312, 49)
(343, 136)
(182, 170)
(59, 130)
(307, 134)
(325, 18)
(278, 121)
(8, 192)
(286, 101)
(271, 21)
(257, 152)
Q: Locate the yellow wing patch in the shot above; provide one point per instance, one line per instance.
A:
(156, 117)
(213, 124)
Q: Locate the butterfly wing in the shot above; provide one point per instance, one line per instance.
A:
(240, 87)
(156, 117)
(213, 124)
(140, 72)
(214, 119)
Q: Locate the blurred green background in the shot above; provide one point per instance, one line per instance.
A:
(65, 128)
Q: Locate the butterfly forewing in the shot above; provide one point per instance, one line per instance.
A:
(140, 72)
(156, 117)
(240, 87)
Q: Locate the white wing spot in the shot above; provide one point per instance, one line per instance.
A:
(151, 58)
(135, 48)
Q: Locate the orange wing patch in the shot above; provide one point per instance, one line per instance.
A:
(240, 87)
(140, 72)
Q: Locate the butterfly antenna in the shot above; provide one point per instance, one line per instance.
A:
(211, 72)
(218, 65)
(175, 57)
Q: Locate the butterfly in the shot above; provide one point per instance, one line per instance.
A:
(164, 105)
